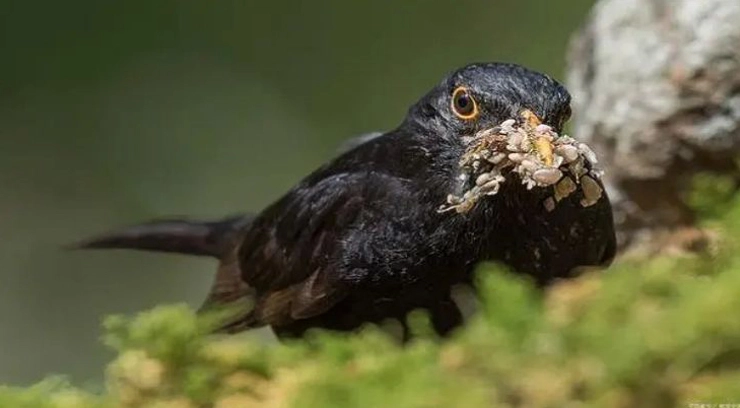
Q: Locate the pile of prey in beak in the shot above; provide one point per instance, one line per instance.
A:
(533, 153)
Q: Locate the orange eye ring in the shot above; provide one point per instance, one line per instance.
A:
(463, 104)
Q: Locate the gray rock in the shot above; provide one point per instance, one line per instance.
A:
(656, 92)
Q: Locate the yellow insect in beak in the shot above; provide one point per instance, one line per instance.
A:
(541, 144)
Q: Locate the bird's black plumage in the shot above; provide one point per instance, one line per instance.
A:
(361, 238)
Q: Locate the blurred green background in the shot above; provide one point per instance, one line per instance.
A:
(117, 112)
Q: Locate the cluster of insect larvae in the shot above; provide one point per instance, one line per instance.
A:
(536, 154)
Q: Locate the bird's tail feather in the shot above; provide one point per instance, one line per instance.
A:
(217, 239)
(182, 236)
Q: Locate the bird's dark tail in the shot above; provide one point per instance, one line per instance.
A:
(204, 238)
(217, 239)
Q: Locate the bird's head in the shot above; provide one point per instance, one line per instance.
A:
(479, 97)
(503, 123)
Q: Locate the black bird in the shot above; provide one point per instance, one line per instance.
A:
(361, 239)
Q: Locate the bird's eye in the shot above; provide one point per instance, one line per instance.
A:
(463, 104)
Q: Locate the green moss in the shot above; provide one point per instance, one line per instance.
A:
(712, 195)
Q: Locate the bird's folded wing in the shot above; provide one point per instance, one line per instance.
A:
(293, 254)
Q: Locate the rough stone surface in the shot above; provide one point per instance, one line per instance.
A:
(656, 88)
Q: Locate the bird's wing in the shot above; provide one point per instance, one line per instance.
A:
(293, 255)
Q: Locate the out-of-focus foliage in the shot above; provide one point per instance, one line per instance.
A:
(653, 333)
(711, 195)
